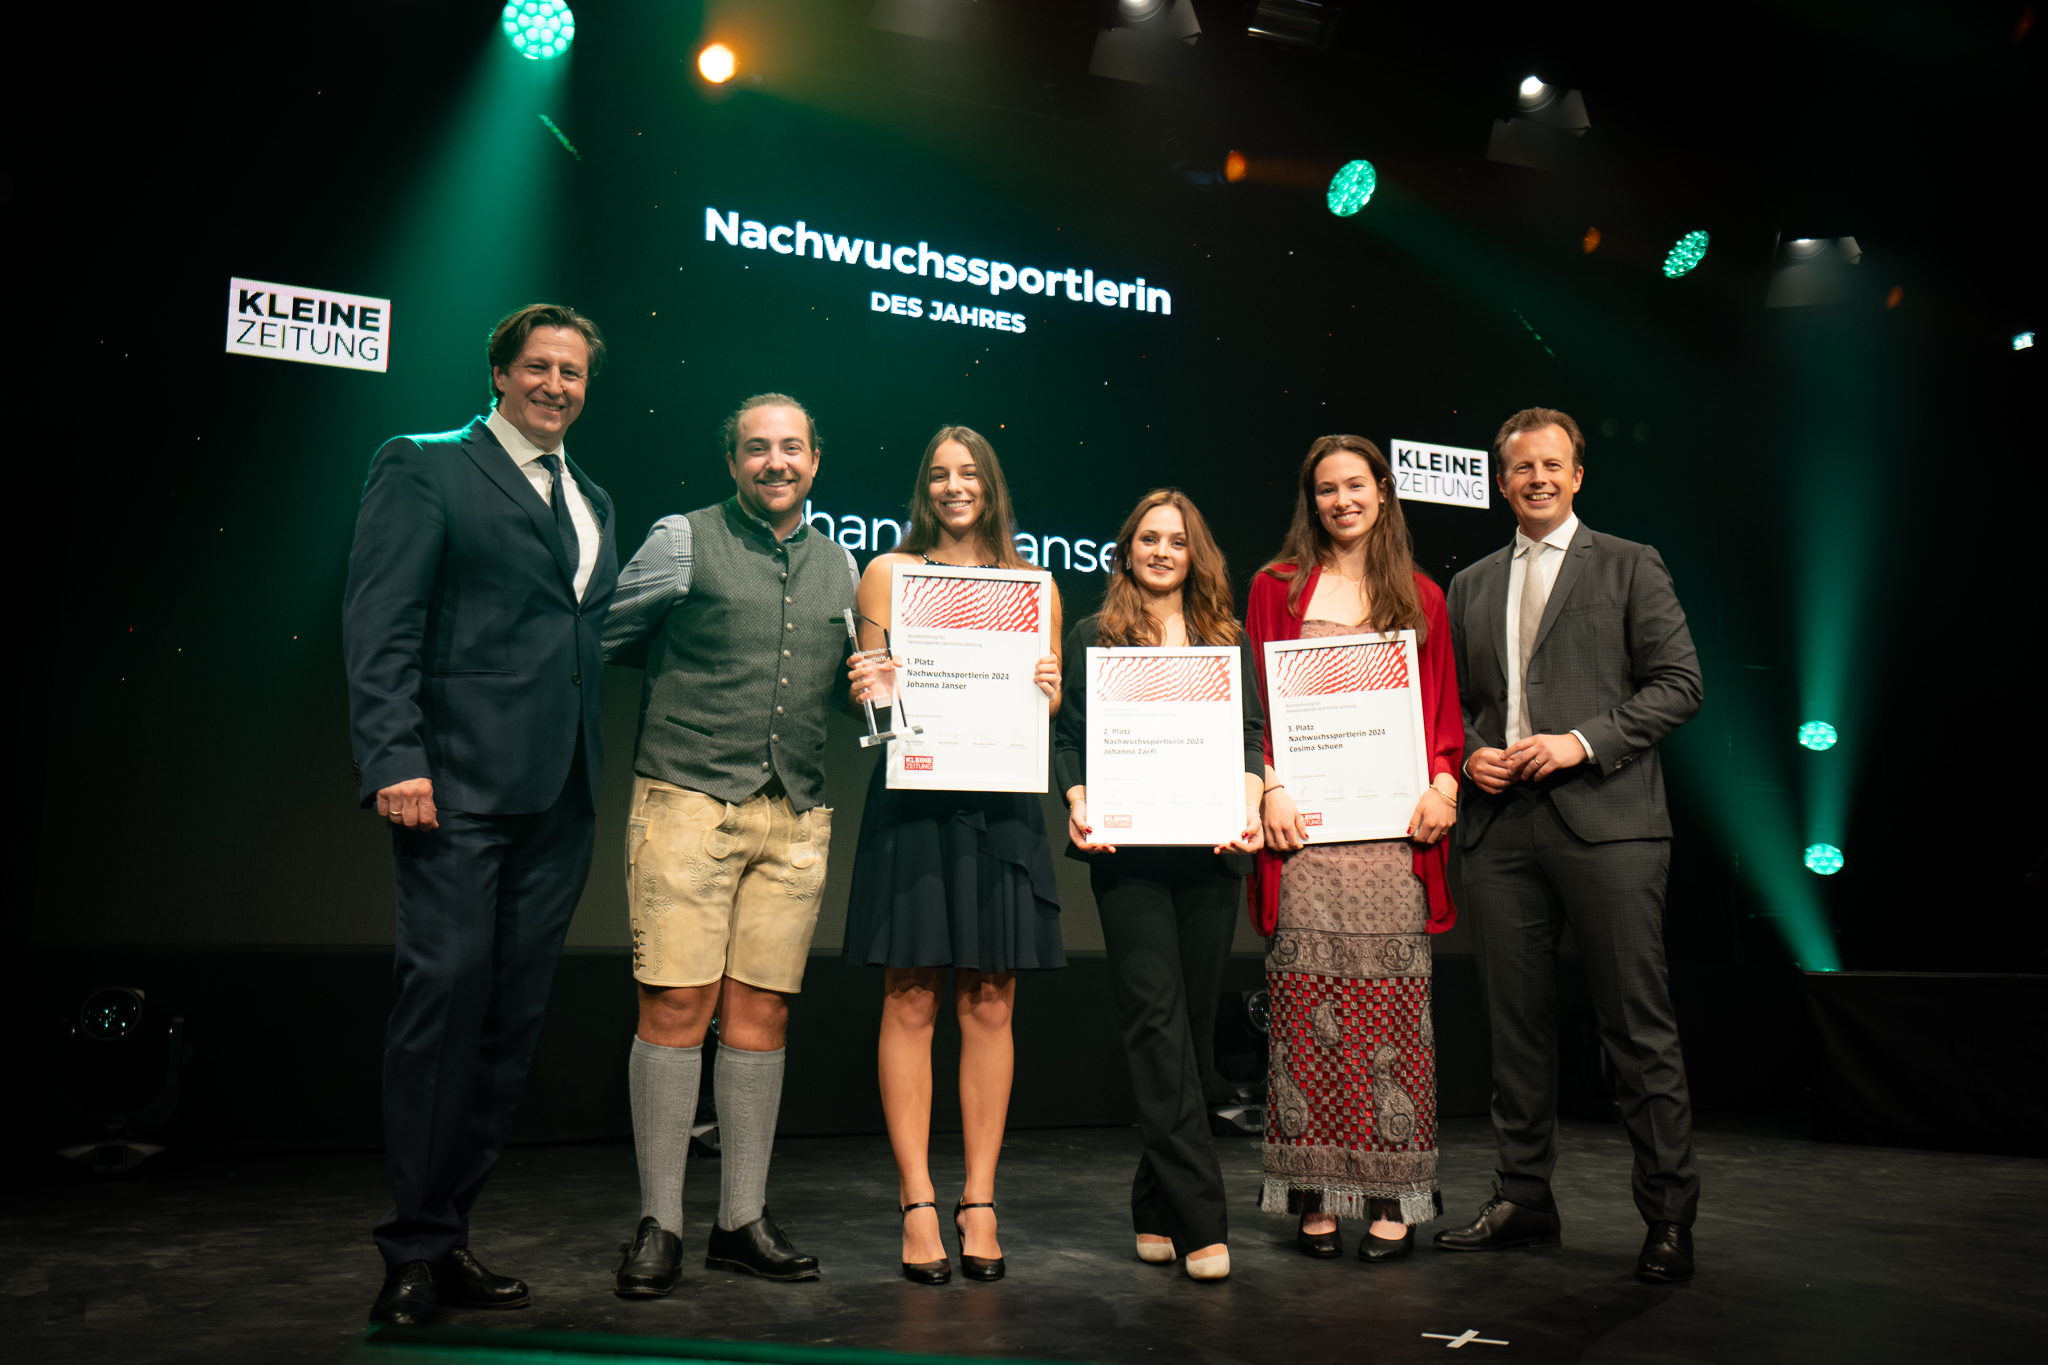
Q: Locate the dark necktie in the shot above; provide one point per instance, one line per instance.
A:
(565, 525)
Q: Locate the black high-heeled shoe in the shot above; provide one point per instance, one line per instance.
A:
(925, 1272)
(975, 1267)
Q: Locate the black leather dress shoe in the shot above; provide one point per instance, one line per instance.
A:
(652, 1262)
(1373, 1247)
(462, 1282)
(759, 1248)
(1321, 1245)
(1501, 1225)
(408, 1296)
(1667, 1254)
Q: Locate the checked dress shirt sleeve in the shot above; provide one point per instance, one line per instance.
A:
(655, 580)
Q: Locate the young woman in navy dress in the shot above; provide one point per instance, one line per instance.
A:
(950, 879)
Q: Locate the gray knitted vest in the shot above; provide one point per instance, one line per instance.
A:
(746, 666)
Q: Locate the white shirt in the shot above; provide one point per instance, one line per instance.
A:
(527, 455)
(1548, 555)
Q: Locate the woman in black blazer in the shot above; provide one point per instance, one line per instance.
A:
(1168, 913)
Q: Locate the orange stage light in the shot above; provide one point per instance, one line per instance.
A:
(1590, 243)
(717, 63)
(1233, 167)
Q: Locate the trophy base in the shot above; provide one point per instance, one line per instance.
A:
(870, 741)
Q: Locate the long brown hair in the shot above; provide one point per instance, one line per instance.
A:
(1389, 545)
(1206, 606)
(993, 527)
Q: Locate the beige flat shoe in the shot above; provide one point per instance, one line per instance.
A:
(1158, 1253)
(1215, 1267)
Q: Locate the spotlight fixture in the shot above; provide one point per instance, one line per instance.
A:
(716, 63)
(110, 1013)
(1174, 19)
(1590, 243)
(1244, 1019)
(1539, 136)
(2022, 341)
(938, 21)
(1294, 23)
(1823, 860)
(1817, 735)
(1149, 45)
(116, 1080)
(1234, 167)
(539, 30)
(1351, 187)
(1686, 253)
(1811, 270)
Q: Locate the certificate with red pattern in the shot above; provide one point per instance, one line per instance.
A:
(1165, 746)
(1346, 722)
(969, 640)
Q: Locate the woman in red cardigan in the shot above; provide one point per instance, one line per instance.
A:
(1351, 1126)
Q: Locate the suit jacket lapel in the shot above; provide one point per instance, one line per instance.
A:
(1568, 574)
(1492, 607)
(501, 469)
(599, 506)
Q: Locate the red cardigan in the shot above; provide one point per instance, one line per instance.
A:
(1267, 618)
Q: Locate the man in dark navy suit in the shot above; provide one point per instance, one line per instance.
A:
(484, 562)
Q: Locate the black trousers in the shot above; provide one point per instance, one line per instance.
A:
(1526, 878)
(1168, 916)
(483, 905)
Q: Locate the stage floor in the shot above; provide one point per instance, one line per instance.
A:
(1807, 1252)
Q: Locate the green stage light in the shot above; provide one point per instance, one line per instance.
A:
(1818, 735)
(1351, 187)
(1823, 859)
(539, 30)
(1690, 250)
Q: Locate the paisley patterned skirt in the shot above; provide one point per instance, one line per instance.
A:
(1351, 1108)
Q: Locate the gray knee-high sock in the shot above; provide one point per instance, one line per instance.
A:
(749, 1087)
(663, 1081)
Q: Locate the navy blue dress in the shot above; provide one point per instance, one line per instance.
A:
(960, 879)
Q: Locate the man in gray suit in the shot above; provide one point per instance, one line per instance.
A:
(1573, 662)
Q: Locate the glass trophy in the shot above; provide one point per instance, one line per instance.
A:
(901, 729)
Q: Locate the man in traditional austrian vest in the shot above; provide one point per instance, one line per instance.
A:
(742, 606)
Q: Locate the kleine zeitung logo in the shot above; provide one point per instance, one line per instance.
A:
(315, 326)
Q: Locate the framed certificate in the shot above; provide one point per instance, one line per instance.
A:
(1165, 746)
(1348, 742)
(969, 640)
